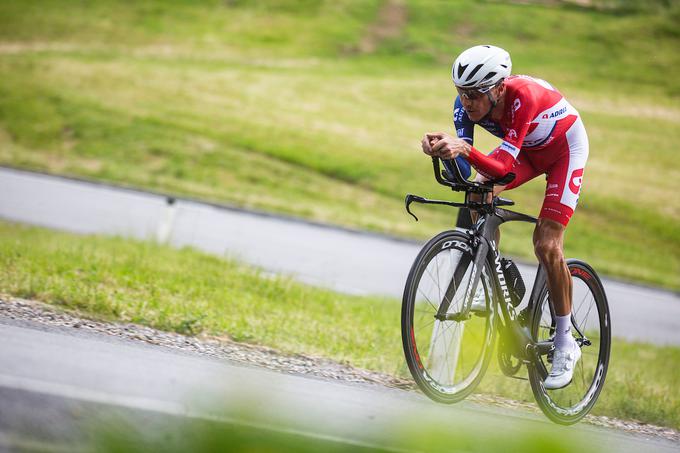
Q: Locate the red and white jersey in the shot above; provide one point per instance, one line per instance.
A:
(542, 134)
(536, 116)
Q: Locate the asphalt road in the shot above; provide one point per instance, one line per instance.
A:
(57, 384)
(347, 261)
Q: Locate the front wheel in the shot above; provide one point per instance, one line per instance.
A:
(447, 359)
(592, 330)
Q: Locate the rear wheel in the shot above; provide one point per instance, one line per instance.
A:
(446, 358)
(592, 331)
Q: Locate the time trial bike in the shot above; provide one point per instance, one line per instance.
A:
(461, 295)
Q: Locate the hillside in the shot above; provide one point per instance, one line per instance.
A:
(315, 108)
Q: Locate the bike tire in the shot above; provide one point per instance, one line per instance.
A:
(569, 405)
(428, 361)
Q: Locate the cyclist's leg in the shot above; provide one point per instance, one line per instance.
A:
(565, 176)
(548, 246)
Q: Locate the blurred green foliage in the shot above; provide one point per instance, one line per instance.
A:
(406, 435)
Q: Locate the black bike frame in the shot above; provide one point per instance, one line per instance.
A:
(482, 237)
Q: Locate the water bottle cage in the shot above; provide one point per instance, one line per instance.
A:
(514, 281)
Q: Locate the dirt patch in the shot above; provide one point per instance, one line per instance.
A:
(389, 24)
(463, 30)
(582, 3)
(10, 48)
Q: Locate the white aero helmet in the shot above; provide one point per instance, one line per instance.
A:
(481, 67)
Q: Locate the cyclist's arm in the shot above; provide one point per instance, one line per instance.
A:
(502, 161)
(494, 167)
(464, 130)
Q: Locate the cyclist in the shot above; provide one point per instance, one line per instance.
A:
(541, 134)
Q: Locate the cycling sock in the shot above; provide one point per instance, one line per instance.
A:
(563, 338)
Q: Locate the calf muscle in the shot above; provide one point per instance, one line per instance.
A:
(548, 246)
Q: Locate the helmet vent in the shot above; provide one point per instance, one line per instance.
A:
(474, 71)
(489, 75)
(461, 69)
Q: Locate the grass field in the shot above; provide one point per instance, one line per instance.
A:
(189, 292)
(315, 108)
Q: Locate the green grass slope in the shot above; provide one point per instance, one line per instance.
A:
(315, 108)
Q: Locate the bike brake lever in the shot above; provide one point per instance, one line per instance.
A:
(410, 199)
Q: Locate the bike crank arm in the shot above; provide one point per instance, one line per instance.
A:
(543, 347)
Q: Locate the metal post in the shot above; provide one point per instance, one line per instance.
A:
(167, 221)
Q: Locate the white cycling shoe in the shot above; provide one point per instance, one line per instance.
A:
(564, 362)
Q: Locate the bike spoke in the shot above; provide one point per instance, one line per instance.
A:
(436, 260)
(586, 317)
(436, 309)
(461, 360)
(581, 304)
(431, 323)
(429, 273)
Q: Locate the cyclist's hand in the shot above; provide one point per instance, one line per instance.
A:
(429, 141)
(448, 147)
(427, 146)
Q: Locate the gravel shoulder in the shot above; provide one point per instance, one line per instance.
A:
(40, 315)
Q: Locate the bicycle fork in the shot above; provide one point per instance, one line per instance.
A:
(481, 250)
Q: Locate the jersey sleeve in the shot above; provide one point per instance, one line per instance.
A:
(522, 110)
(463, 165)
(464, 130)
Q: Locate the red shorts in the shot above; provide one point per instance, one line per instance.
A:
(563, 162)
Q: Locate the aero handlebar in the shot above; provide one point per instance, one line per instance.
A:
(461, 184)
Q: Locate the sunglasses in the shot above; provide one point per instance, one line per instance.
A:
(473, 93)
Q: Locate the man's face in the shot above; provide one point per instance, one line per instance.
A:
(476, 103)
